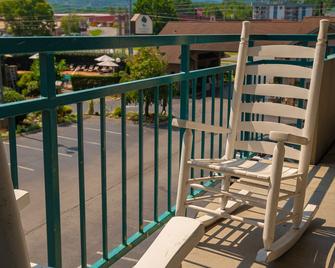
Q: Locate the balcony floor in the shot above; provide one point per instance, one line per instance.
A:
(233, 244)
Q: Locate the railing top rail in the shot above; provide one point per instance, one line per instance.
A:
(16, 45)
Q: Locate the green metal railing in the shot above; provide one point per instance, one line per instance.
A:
(191, 84)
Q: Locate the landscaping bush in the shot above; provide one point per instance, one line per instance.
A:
(80, 82)
(116, 113)
(32, 89)
(10, 95)
(64, 110)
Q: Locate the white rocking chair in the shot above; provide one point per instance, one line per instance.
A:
(261, 174)
(270, 173)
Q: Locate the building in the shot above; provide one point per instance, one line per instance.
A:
(281, 11)
(116, 24)
(208, 55)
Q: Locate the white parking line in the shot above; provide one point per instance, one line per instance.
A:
(38, 149)
(98, 130)
(74, 139)
(25, 168)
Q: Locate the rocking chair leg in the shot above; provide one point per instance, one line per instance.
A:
(298, 206)
(184, 173)
(225, 184)
(273, 195)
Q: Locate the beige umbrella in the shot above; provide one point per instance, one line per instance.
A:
(34, 57)
(108, 64)
(105, 58)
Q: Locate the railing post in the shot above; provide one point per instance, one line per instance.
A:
(184, 87)
(50, 153)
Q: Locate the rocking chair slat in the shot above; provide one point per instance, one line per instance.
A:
(195, 180)
(274, 109)
(250, 169)
(276, 90)
(266, 147)
(265, 127)
(282, 51)
(279, 70)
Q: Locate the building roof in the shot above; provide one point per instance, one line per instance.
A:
(308, 25)
(109, 18)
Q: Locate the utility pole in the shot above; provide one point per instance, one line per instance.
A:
(130, 50)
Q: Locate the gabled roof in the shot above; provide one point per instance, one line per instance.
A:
(308, 25)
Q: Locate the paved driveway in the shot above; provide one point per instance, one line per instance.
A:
(30, 158)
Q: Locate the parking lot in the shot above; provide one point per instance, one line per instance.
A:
(31, 178)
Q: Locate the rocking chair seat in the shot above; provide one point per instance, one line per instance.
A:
(242, 168)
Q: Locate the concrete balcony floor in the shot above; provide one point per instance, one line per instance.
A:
(234, 244)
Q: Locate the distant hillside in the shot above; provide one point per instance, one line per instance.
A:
(89, 5)
(210, 1)
(101, 5)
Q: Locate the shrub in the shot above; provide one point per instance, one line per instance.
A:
(64, 110)
(24, 79)
(116, 113)
(132, 116)
(95, 32)
(80, 82)
(32, 89)
(10, 95)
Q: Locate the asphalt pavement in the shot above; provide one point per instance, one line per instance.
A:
(31, 178)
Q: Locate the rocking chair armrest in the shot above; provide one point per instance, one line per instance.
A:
(199, 126)
(285, 137)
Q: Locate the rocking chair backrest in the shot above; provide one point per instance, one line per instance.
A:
(267, 109)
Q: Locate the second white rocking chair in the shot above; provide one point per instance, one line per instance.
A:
(260, 173)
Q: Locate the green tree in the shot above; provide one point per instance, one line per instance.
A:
(147, 63)
(235, 10)
(214, 10)
(71, 24)
(27, 17)
(184, 7)
(118, 10)
(160, 11)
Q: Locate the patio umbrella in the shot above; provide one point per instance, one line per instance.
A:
(108, 64)
(34, 57)
(104, 58)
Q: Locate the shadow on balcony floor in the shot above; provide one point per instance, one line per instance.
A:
(234, 244)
